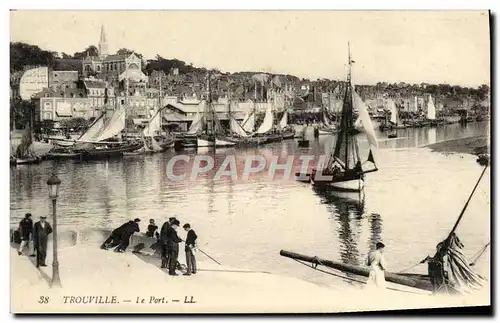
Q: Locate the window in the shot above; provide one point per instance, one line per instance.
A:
(98, 68)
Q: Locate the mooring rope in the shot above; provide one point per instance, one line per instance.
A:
(478, 255)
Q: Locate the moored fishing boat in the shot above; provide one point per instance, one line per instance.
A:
(109, 150)
(431, 112)
(63, 153)
(344, 170)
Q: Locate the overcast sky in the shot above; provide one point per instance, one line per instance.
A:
(424, 46)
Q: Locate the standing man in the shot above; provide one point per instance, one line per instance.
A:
(173, 247)
(163, 242)
(41, 232)
(26, 232)
(377, 265)
(190, 249)
(127, 232)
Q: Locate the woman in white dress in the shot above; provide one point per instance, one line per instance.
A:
(376, 262)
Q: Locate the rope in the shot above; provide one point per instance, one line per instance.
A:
(478, 255)
(415, 265)
(467, 203)
(316, 261)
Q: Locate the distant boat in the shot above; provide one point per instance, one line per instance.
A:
(431, 112)
(395, 122)
(345, 167)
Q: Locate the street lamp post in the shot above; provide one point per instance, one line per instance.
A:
(53, 183)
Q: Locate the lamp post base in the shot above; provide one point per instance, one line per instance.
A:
(56, 281)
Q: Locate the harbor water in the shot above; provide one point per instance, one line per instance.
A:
(410, 204)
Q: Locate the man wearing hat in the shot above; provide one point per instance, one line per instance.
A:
(25, 231)
(163, 242)
(173, 247)
(376, 262)
(41, 232)
(127, 232)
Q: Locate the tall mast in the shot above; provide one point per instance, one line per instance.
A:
(160, 94)
(254, 103)
(347, 97)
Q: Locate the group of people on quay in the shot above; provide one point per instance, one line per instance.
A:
(167, 242)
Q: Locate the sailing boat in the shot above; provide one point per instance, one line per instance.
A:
(344, 167)
(212, 129)
(286, 131)
(98, 141)
(395, 121)
(327, 127)
(431, 112)
(24, 153)
(238, 134)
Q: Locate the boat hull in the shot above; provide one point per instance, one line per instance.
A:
(355, 185)
(323, 132)
(205, 143)
(61, 156)
(341, 182)
(288, 135)
(220, 142)
(25, 161)
(96, 154)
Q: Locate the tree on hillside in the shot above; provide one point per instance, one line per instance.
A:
(22, 55)
(89, 51)
(21, 112)
(126, 51)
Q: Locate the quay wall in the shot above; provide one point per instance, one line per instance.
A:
(70, 238)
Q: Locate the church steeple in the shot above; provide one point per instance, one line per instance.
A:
(103, 43)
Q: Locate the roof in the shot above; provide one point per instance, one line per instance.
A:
(115, 57)
(94, 84)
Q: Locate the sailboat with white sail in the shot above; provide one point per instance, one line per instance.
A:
(395, 121)
(212, 133)
(344, 170)
(101, 140)
(431, 112)
(23, 153)
(327, 126)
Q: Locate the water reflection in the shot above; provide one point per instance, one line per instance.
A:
(375, 230)
(432, 135)
(229, 214)
(348, 210)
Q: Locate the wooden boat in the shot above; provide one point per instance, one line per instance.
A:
(303, 142)
(410, 280)
(99, 152)
(63, 153)
(288, 134)
(393, 134)
(344, 168)
(27, 160)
